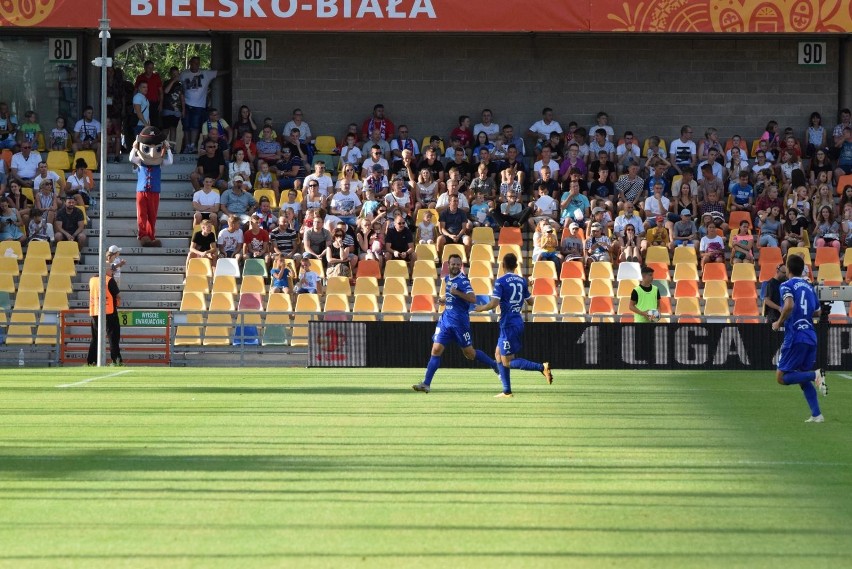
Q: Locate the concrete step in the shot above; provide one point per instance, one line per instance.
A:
(126, 191)
(131, 242)
(133, 303)
(130, 232)
(138, 251)
(128, 285)
(168, 210)
(172, 281)
(155, 266)
(173, 296)
(164, 224)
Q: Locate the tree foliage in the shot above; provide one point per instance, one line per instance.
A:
(164, 56)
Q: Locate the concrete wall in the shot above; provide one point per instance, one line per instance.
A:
(649, 84)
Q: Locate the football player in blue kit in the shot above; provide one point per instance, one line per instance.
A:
(454, 324)
(799, 349)
(511, 293)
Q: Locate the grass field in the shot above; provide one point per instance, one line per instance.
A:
(306, 468)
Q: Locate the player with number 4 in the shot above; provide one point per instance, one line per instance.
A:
(510, 293)
(454, 324)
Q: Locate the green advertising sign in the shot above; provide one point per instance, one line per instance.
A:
(149, 318)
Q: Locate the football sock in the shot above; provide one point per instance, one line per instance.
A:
(811, 397)
(504, 377)
(431, 368)
(521, 363)
(792, 377)
(482, 358)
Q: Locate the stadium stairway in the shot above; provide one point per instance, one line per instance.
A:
(153, 276)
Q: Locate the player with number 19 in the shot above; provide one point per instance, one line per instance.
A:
(454, 324)
(511, 293)
(799, 349)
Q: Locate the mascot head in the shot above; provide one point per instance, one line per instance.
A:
(152, 145)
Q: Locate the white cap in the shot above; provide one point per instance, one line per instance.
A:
(114, 249)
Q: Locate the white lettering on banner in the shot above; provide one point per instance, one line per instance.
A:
(589, 337)
(276, 8)
(204, 13)
(371, 6)
(730, 344)
(661, 346)
(232, 9)
(326, 8)
(392, 13)
(686, 351)
(628, 347)
(837, 346)
(179, 8)
(375, 9)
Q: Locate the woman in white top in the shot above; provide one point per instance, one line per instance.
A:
(79, 183)
(425, 191)
(239, 166)
(348, 173)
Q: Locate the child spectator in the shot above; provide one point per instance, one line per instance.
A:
(39, 229)
(115, 262)
(281, 276)
(426, 231)
(30, 131)
(59, 136)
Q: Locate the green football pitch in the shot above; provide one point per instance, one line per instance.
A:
(150, 467)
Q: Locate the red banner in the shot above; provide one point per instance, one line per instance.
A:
(684, 16)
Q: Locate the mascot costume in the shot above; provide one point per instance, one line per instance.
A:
(150, 151)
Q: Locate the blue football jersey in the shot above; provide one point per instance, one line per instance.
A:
(799, 326)
(456, 309)
(512, 291)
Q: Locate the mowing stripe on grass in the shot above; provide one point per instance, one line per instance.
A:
(85, 381)
(846, 375)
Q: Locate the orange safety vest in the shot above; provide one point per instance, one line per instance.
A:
(94, 301)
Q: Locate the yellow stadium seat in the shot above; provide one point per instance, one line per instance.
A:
(684, 254)
(805, 251)
(222, 301)
(424, 268)
(394, 308)
(483, 236)
(89, 156)
(34, 266)
(847, 257)
(336, 303)
(31, 282)
(625, 288)
(217, 331)
(58, 282)
(657, 254)
(482, 286)
(338, 285)
(830, 272)
(58, 160)
(546, 269)
(189, 334)
(7, 283)
(480, 268)
(368, 305)
(193, 300)
(39, 250)
(717, 307)
(55, 301)
(601, 270)
(482, 252)
(15, 246)
(743, 272)
(225, 283)
(572, 287)
(325, 144)
(268, 194)
(196, 283)
(544, 309)
(395, 285)
(506, 249)
(9, 266)
(426, 252)
(396, 268)
(422, 285)
(574, 307)
(454, 249)
(685, 271)
(600, 287)
(715, 289)
(687, 306)
(199, 267)
(20, 331)
(279, 302)
(63, 266)
(305, 303)
(251, 284)
(367, 285)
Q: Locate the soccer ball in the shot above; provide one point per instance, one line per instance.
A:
(654, 315)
